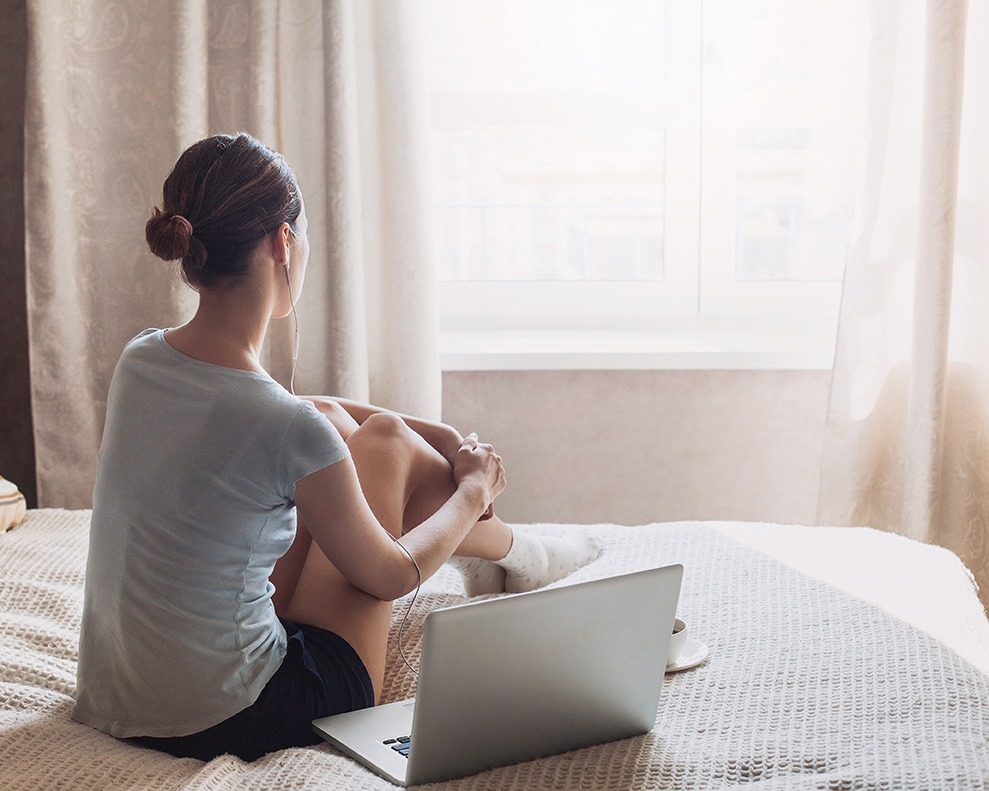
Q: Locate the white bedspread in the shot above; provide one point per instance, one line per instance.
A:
(806, 686)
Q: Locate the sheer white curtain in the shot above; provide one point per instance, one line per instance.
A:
(116, 91)
(907, 444)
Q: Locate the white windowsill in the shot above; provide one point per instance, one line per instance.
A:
(636, 350)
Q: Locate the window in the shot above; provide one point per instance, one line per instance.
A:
(633, 180)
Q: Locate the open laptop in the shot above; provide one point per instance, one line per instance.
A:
(520, 677)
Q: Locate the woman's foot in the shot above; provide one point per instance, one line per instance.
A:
(536, 560)
(480, 576)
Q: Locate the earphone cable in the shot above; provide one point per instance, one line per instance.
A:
(401, 627)
(295, 319)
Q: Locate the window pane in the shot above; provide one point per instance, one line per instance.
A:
(799, 67)
(558, 204)
(496, 46)
(780, 43)
(792, 207)
(625, 242)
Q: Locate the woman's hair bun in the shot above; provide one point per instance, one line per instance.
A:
(224, 195)
(170, 237)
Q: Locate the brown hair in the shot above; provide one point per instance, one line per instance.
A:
(224, 195)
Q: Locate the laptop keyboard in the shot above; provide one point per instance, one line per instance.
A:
(399, 744)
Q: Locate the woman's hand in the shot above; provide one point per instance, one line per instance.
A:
(477, 463)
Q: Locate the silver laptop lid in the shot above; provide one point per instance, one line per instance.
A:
(512, 679)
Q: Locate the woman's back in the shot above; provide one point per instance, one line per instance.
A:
(192, 507)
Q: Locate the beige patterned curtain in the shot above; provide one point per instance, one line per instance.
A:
(907, 445)
(115, 92)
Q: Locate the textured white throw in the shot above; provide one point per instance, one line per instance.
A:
(806, 687)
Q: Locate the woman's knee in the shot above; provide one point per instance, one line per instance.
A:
(384, 435)
(382, 427)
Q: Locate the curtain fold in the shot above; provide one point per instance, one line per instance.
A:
(906, 445)
(374, 336)
(116, 92)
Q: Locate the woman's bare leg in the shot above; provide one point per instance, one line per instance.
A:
(433, 485)
(490, 539)
(404, 481)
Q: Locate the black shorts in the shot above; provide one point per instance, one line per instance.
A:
(320, 675)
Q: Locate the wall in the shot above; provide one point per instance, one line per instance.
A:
(633, 447)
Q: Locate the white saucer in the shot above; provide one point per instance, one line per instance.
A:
(694, 652)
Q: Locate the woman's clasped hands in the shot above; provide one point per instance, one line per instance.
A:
(477, 463)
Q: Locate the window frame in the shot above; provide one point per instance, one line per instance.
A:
(699, 316)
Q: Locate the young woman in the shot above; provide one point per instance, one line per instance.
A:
(246, 543)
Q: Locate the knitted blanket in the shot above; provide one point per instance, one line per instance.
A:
(805, 687)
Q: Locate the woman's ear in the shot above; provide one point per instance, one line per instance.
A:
(280, 241)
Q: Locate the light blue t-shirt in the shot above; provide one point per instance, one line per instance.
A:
(191, 509)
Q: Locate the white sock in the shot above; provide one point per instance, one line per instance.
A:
(536, 560)
(480, 576)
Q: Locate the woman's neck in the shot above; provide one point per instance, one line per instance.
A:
(228, 328)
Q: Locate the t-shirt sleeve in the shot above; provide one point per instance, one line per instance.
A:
(311, 442)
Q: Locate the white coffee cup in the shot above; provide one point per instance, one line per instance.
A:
(677, 642)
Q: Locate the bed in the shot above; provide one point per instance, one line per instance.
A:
(840, 658)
